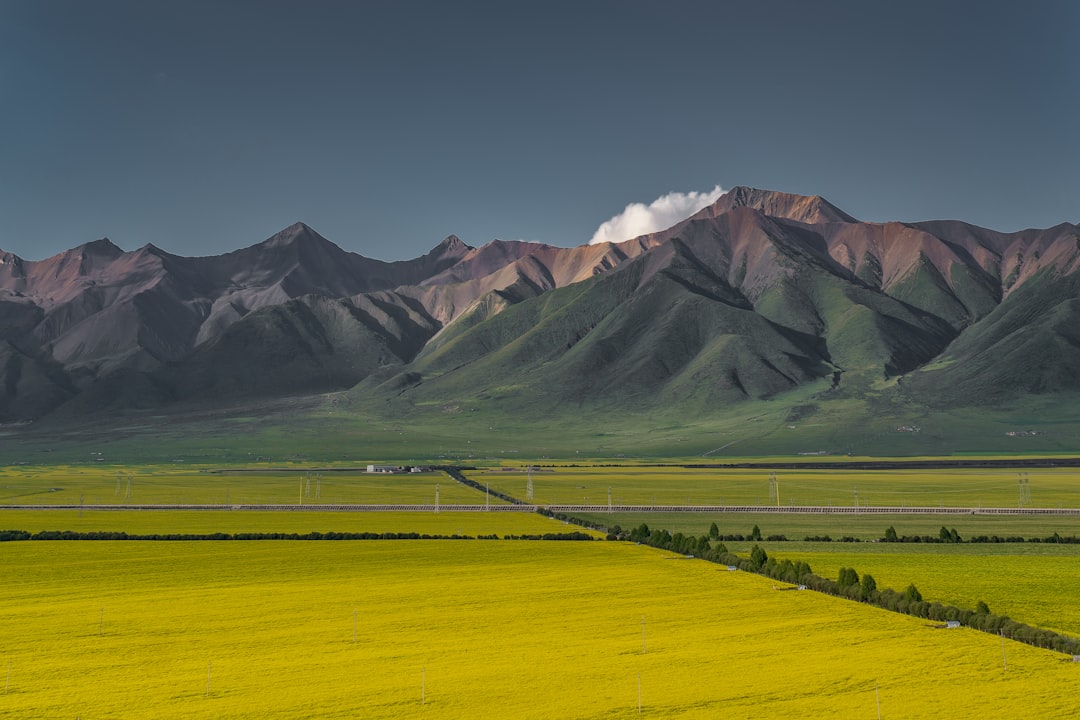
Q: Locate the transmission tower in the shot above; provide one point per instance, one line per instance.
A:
(1025, 488)
(529, 487)
(774, 489)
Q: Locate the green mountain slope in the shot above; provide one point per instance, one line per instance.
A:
(1030, 344)
(671, 329)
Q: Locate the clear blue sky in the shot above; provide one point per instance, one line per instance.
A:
(203, 127)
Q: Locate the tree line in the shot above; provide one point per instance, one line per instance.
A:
(950, 535)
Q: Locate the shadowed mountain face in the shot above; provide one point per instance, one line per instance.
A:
(760, 293)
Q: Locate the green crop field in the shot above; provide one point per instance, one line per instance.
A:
(678, 486)
(163, 484)
(467, 629)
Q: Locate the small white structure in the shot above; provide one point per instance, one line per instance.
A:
(382, 468)
(952, 624)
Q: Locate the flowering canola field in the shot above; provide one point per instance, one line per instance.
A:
(473, 629)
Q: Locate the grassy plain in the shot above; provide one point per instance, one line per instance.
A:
(447, 629)
(166, 484)
(679, 486)
(340, 428)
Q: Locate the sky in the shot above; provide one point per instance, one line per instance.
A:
(204, 127)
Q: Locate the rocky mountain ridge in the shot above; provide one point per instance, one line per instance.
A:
(759, 293)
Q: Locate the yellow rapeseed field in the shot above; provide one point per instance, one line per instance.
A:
(474, 629)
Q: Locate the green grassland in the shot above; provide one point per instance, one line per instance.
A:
(342, 427)
(164, 484)
(447, 629)
(899, 488)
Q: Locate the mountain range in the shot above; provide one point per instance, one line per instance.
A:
(757, 296)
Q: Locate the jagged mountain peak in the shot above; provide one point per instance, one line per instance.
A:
(152, 249)
(450, 249)
(103, 248)
(452, 242)
(812, 209)
(296, 234)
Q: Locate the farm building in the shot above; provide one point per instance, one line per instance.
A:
(382, 468)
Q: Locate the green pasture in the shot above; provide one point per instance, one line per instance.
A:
(164, 484)
(629, 485)
(195, 522)
(337, 428)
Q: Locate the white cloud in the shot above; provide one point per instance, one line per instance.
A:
(660, 214)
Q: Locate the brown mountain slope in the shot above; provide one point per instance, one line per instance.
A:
(100, 306)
